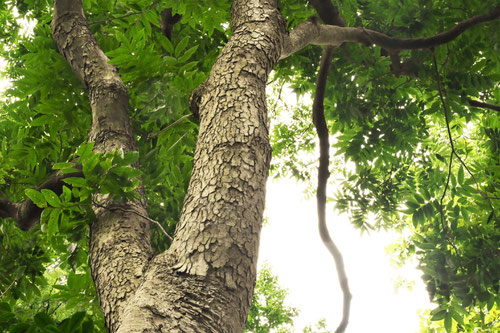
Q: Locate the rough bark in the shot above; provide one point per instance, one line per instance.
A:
(119, 242)
(204, 282)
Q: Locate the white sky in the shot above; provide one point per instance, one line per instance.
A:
(291, 246)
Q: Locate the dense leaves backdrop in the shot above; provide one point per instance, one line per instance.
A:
(395, 166)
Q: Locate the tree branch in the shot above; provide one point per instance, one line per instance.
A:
(483, 105)
(450, 138)
(155, 134)
(330, 15)
(123, 16)
(115, 240)
(8, 288)
(310, 32)
(323, 175)
(328, 12)
(26, 213)
(168, 21)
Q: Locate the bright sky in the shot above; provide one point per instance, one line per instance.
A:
(291, 246)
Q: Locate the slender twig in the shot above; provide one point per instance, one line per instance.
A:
(176, 142)
(123, 16)
(155, 134)
(157, 223)
(136, 213)
(450, 137)
(278, 99)
(444, 193)
(323, 175)
(483, 105)
(57, 307)
(139, 110)
(8, 288)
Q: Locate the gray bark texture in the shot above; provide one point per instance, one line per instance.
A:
(204, 282)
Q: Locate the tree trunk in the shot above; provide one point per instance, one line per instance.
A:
(119, 241)
(204, 282)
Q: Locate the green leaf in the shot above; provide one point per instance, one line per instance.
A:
(75, 181)
(37, 197)
(89, 165)
(412, 205)
(447, 322)
(167, 45)
(76, 320)
(170, 61)
(457, 316)
(181, 46)
(419, 198)
(85, 150)
(127, 159)
(42, 319)
(66, 195)
(187, 67)
(461, 175)
(88, 326)
(53, 224)
(62, 165)
(438, 315)
(418, 218)
(51, 197)
(125, 171)
(42, 120)
(189, 53)
(441, 158)
(428, 211)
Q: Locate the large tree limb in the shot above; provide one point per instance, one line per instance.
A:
(204, 281)
(312, 33)
(26, 213)
(119, 246)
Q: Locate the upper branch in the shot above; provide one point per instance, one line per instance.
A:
(119, 246)
(310, 32)
(107, 93)
(26, 213)
(328, 12)
(479, 104)
(168, 21)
